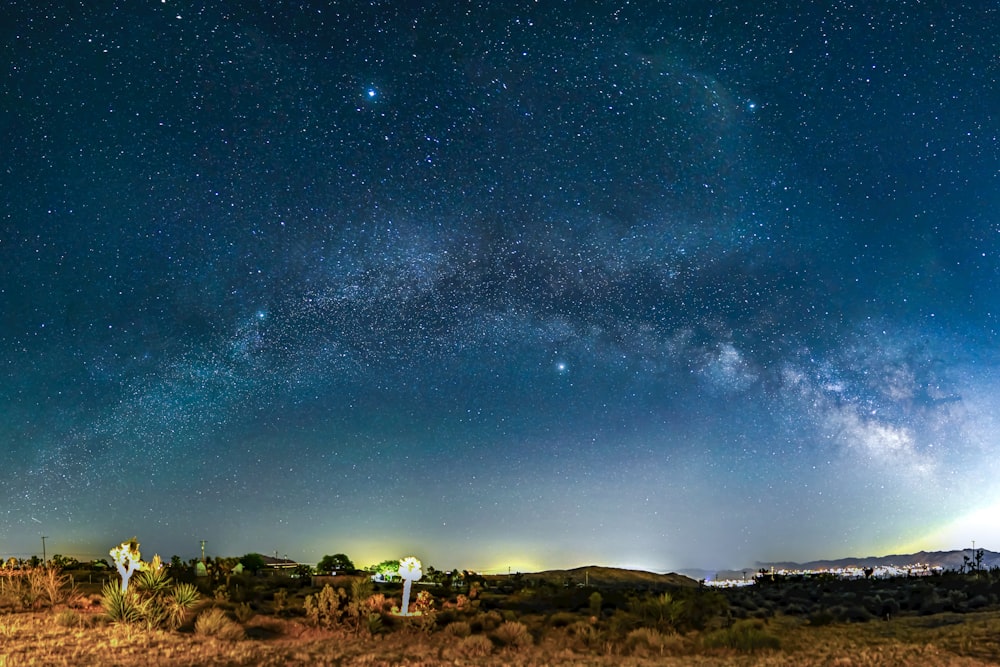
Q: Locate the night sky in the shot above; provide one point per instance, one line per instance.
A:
(500, 284)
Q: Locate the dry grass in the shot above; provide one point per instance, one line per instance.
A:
(48, 638)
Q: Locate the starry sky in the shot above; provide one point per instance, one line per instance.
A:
(500, 285)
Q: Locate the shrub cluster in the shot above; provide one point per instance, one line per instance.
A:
(39, 587)
(153, 601)
(824, 600)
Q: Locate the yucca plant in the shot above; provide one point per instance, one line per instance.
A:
(181, 598)
(153, 601)
(121, 605)
(153, 577)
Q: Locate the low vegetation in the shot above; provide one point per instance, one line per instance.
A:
(244, 619)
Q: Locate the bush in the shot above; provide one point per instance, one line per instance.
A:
(326, 609)
(475, 646)
(458, 629)
(52, 585)
(821, 618)
(36, 587)
(156, 606)
(978, 602)
(586, 633)
(374, 624)
(645, 641)
(594, 603)
(484, 622)
(68, 618)
(280, 601)
(662, 612)
(745, 636)
(513, 633)
(378, 603)
(563, 619)
(857, 614)
(244, 612)
(215, 623)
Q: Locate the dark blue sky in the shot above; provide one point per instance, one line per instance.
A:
(500, 284)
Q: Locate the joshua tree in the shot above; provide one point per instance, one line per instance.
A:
(409, 571)
(128, 559)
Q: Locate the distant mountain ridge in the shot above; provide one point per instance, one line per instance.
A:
(948, 560)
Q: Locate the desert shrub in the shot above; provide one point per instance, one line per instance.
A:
(326, 609)
(701, 608)
(475, 646)
(17, 593)
(423, 603)
(374, 624)
(622, 622)
(977, 602)
(821, 618)
(586, 633)
(358, 609)
(36, 587)
(244, 612)
(378, 603)
(745, 636)
(68, 618)
(857, 614)
(795, 609)
(280, 600)
(51, 585)
(661, 612)
(458, 629)
(562, 619)
(514, 634)
(151, 602)
(890, 607)
(214, 623)
(594, 604)
(362, 588)
(485, 621)
(645, 641)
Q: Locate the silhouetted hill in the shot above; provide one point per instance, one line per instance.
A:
(612, 577)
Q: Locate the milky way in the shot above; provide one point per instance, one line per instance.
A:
(519, 286)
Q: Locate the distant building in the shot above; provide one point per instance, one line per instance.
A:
(284, 566)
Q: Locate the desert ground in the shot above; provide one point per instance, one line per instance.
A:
(952, 619)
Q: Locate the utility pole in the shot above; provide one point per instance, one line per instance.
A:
(44, 537)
